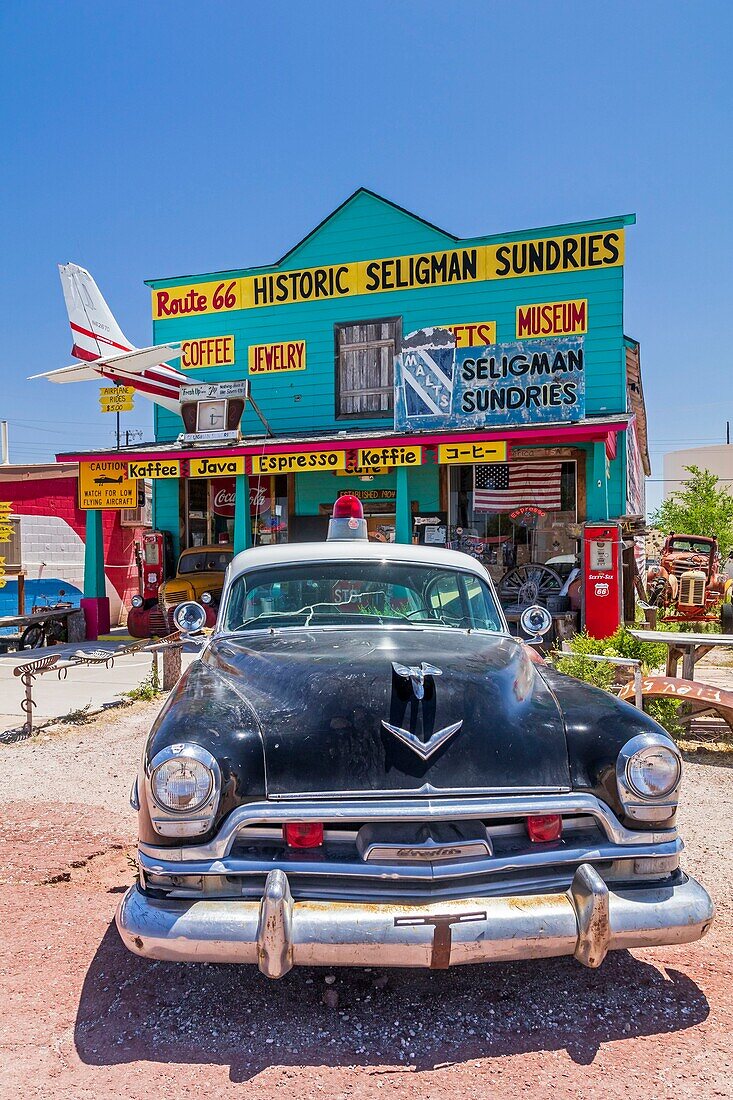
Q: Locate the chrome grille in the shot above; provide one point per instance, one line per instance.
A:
(692, 589)
(174, 593)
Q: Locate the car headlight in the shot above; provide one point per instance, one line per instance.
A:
(648, 774)
(184, 782)
(653, 772)
(206, 598)
(137, 601)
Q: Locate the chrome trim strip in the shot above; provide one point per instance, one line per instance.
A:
(426, 789)
(153, 864)
(415, 809)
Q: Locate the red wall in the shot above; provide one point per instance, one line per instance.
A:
(57, 496)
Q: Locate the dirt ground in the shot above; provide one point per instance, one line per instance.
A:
(81, 1019)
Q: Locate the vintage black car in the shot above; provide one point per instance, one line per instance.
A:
(364, 768)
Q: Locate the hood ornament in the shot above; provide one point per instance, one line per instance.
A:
(416, 675)
(424, 749)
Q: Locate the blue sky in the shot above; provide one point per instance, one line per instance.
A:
(144, 140)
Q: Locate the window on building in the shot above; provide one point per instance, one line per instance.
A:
(365, 367)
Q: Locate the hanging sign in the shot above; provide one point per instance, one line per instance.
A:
(275, 358)
(155, 468)
(214, 351)
(439, 386)
(116, 398)
(389, 456)
(215, 467)
(106, 485)
(6, 534)
(468, 453)
(553, 319)
(298, 462)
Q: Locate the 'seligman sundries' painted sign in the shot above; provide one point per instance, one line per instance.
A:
(511, 260)
(440, 386)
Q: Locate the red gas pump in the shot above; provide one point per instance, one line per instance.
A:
(601, 578)
(154, 557)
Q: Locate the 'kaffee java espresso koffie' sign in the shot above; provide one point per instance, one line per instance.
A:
(440, 386)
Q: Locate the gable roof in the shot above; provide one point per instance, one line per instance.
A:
(361, 191)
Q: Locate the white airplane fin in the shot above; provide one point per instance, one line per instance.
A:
(94, 329)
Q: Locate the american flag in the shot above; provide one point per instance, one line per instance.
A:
(504, 486)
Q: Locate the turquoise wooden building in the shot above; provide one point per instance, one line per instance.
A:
(318, 333)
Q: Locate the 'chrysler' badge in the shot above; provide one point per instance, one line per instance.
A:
(424, 749)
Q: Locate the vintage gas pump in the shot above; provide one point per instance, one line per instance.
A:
(601, 578)
(153, 564)
(154, 559)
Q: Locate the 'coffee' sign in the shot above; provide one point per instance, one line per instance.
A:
(155, 468)
(215, 467)
(214, 351)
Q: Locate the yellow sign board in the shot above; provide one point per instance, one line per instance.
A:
(473, 334)
(552, 319)
(106, 485)
(389, 456)
(6, 534)
(155, 468)
(360, 471)
(508, 260)
(215, 467)
(554, 255)
(212, 351)
(116, 398)
(468, 453)
(295, 462)
(195, 299)
(270, 358)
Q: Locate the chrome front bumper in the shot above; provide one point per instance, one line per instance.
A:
(586, 921)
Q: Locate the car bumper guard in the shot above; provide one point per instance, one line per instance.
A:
(586, 921)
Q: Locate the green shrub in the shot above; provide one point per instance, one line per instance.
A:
(666, 711)
(603, 675)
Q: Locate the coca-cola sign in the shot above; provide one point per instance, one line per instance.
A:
(222, 494)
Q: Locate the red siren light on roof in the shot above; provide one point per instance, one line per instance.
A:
(348, 507)
(347, 521)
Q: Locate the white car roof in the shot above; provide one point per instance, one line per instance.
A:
(353, 549)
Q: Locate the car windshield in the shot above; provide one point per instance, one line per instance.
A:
(360, 593)
(205, 561)
(691, 546)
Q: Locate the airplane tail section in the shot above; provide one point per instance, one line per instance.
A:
(95, 331)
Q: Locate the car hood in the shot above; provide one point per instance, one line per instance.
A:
(322, 698)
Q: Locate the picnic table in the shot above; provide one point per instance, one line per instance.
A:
(688, 648)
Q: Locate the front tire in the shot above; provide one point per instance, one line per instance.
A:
(726, 618)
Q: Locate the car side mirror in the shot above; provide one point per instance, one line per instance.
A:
(535, 621)
(189, 617)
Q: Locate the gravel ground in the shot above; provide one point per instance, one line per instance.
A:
(83, 1020)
